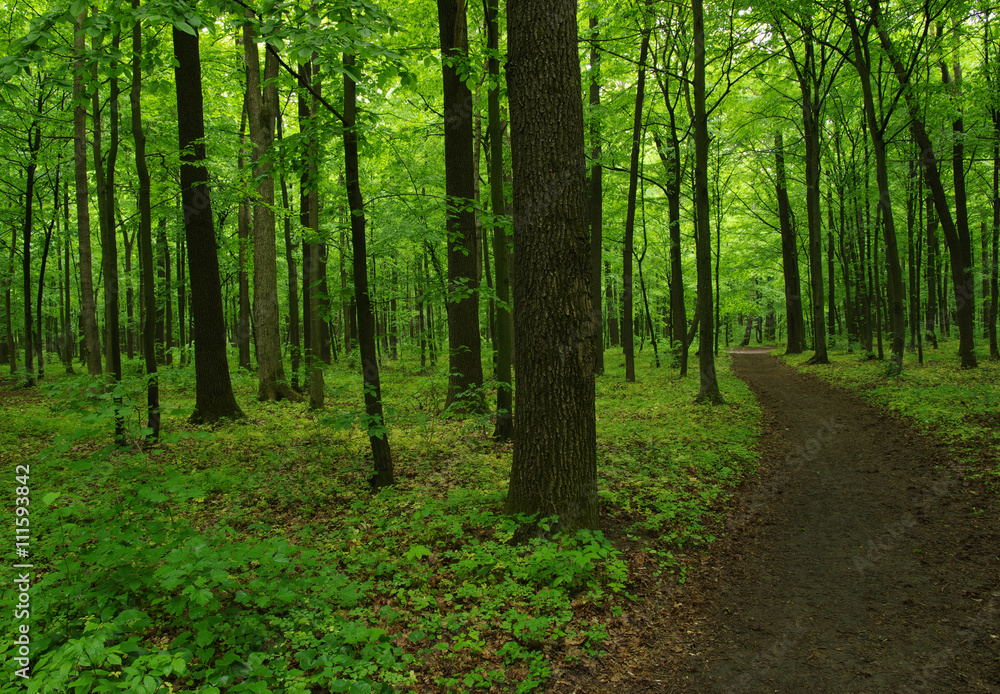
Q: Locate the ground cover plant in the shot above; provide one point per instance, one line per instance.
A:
(252, 556)
(959, 407)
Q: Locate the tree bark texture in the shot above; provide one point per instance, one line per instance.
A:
(554, 468)
(214, 397)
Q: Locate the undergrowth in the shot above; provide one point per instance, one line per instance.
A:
(252, 557)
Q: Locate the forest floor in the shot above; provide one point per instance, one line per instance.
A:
(863, 559)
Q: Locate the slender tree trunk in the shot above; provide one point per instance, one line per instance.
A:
(34, 138)
(709, 384)
(378, 433)
(214, 397)
(554, 468)
(789, 257)
(504, 428)
(596, 197)
(612, 306)
(88, 307)
(262, 108)
(145, 238)
(294, 340)
(956, 233)
(628, 330)
(465, 368)
(109, 242)
(897, 317)
(243, 223)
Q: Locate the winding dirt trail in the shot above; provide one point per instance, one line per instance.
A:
(860, 562)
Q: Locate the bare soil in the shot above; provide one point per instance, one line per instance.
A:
(862, 560)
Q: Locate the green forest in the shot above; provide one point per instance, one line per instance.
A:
(381, 346)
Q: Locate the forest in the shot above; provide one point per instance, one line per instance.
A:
(395, 345)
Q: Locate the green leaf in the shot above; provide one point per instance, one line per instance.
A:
(185, 27)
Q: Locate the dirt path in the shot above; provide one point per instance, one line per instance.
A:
(859, 563)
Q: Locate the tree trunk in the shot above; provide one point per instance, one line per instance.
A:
(596, 198)
(146, 268)
(243, 222)
(709, 384)
(88, 307)
(789, 257)
(262, 109)
(956, 234)
(465, 368)
(378, 433)
(554, 468)
(214, 397)
(628, 329)
(894, 271)
(504, 429)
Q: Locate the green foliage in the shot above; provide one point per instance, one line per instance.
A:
(253, 557)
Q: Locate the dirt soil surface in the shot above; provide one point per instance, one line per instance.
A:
(860, 561)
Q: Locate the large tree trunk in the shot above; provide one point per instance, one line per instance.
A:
(88, 307)
(789, 257)
(465, 368)
(504, 428)
(554, 468)
(709, 385)
(261, 114)
(214, 397)
(146, 268)
(378, 434)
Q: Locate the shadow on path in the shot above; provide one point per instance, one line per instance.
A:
(859, 562)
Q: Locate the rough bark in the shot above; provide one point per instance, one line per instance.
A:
(554, 468)
(214, 397)
(262, 109)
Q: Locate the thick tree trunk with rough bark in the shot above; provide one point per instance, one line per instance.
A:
(214, 397)
(554, 468)
(465, 368)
